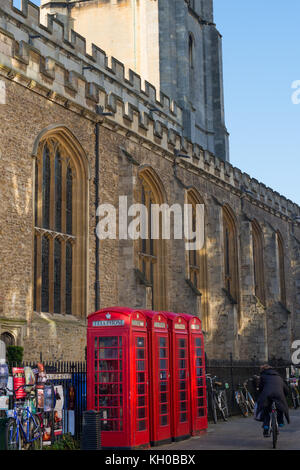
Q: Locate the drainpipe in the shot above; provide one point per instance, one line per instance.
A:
(97, 248)
(99, 111)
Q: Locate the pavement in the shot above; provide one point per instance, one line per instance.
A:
(240, 433)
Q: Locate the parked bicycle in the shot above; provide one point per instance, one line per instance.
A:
(244, 399)
(273, 428)
(293, 385)
(217, 399)
(23, 429)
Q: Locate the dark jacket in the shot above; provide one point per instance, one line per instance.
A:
(273, 388)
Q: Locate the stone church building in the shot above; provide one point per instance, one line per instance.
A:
(101, 99)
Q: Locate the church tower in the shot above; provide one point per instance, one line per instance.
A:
(173, 44)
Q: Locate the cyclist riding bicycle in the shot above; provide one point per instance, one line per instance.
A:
(272, 389)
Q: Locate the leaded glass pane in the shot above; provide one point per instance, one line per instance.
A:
(57, 276)
(45, 274)
(150, 228)
(58, 187)
(69, 199)
(36, 196)
(46, 187)
(69, 262)
(35, 273)
(144, 241)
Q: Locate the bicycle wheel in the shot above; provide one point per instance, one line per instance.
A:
(12, 435)
(240, 399)
(274, 429)
(213, 408)
(223, 407)
(35, 434)
(250, 402)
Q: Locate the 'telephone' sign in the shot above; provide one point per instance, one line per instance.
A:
(108, 323)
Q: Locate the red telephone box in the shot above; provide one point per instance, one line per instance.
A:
(178, 334)
(117, 376)
(197, 375)
(159, 373)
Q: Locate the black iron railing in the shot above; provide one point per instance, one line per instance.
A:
(67, 374)
(235, 373)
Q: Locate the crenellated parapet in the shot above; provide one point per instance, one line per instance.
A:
(95, 69)
(40, 57)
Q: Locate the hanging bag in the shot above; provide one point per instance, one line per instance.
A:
(49, 398)
(29, 379)
(19, 381)
(3, 377)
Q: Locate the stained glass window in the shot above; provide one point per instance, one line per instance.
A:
(258, 261)
(196, 257)
(58, 188)
(148, 252)
(281, 273)
(152, 249)
(45, 274)
(69, 198)
(35, 272)
(55, 243)
(144, 241)
(69, 263)
(46, 187)
(57, 276)
(230, 254)
(36, 192)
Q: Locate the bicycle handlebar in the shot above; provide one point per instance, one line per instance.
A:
(209, 376)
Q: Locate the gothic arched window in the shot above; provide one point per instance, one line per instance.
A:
(196, 257)
(151, 251)
(231, 278)
(197, 268)
(60, 226)
(281, 271)
(258, 261)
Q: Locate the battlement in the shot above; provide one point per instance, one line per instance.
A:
(40, 57)
(94, 67)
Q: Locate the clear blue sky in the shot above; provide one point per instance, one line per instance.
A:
(261, 59)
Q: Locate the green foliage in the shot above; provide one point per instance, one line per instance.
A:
(66, 442)
(14, 354)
